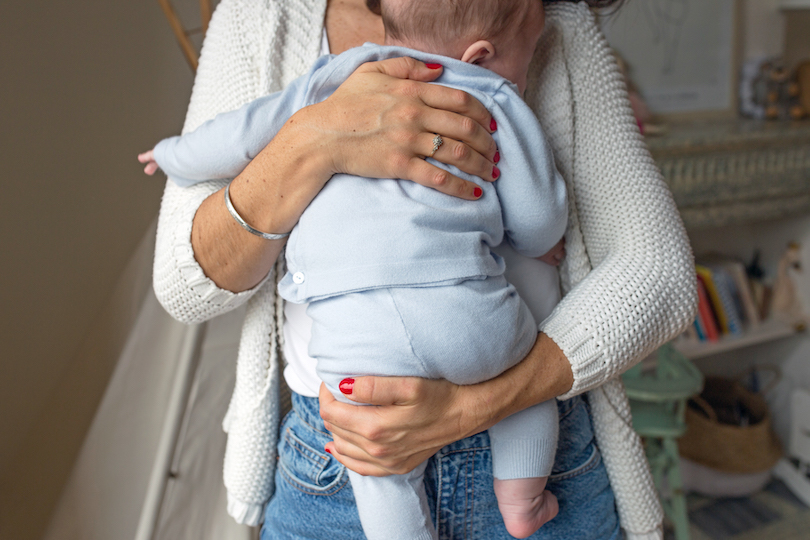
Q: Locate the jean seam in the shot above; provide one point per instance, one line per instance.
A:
(328, 491)
(440, 529)
(304, 449)
(470, 503)
(460, 450)
(590, 464)
(304, 420)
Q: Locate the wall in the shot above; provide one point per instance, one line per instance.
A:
(86, 85)
(763, 28)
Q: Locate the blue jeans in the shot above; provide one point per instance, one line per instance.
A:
(314, 500)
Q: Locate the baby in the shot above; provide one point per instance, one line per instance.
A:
(400, 279)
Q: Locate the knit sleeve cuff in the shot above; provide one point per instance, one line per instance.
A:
(657, 534)
(180, 284)
(583, 350)
(245, 513)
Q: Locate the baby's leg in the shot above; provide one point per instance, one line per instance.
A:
(525, 505)
(394, 507)
(523, 448)
(357, 334)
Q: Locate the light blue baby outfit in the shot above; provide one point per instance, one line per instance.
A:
(401, 279)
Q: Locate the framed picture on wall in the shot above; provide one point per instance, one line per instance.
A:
(683, 55)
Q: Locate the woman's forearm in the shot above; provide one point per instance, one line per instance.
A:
(413, 418)
(270, 194)
(544, 374)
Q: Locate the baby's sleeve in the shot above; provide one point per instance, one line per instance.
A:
(222, 147)
(532, 193)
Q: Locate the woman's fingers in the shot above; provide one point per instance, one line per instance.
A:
(459, 116)
(403, 68)
(368, 467)
(422, 172)
(360, 467)
(400, 116)
(356, 438)
(407, 421)
(384, 390)
(359, 425)
(454, 152)
(435, 96)
(343, 415)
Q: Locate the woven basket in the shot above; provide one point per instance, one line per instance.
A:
(724, 446)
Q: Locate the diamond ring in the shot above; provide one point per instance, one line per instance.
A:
(437, 142)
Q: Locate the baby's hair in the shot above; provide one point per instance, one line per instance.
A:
(374, 5)
(446, 21)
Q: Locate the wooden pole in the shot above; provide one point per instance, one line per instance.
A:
(205, 14)
(180, 33)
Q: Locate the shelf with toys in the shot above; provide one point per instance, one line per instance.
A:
(736, 308)
(769, 330)
(729, 175)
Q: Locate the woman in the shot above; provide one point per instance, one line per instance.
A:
(624, 226)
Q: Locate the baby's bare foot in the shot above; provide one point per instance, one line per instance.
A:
(524, 505)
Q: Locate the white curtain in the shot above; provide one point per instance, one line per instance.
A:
(108, 494)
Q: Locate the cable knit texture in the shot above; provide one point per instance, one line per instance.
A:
(628, 277)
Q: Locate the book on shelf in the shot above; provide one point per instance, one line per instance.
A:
(727, 300)
(727, 293)
(744, 290)
(741, 286)
(706, 277)
(706, 320)
(700, 330)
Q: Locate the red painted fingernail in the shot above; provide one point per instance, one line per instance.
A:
(433, 66)
(493, 125)
(497, 157)
(477, 192)
(495, 172)
(328, 451)
(346, 386)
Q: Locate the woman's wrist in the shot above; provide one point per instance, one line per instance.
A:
(543, 374)
(277, 186)
(270, 194)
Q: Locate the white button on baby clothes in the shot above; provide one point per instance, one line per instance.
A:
(298, 278)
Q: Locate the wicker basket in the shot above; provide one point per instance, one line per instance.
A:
(722, 444)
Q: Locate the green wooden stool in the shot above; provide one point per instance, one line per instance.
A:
(658, 402)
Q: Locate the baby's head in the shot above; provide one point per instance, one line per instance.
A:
(500, 35)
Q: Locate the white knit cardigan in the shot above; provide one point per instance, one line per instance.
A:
(628, 277)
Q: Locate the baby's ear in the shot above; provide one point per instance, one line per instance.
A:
(478, 52)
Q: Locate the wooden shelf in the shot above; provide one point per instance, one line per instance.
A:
(769, 330)
(735, 171)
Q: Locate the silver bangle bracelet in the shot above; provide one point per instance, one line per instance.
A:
(244, 224)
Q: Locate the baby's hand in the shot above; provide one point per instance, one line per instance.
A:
(149, 159)
(555, 255)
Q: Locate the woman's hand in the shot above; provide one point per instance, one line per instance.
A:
(392, 130)
(410, 419)
(380, 123)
